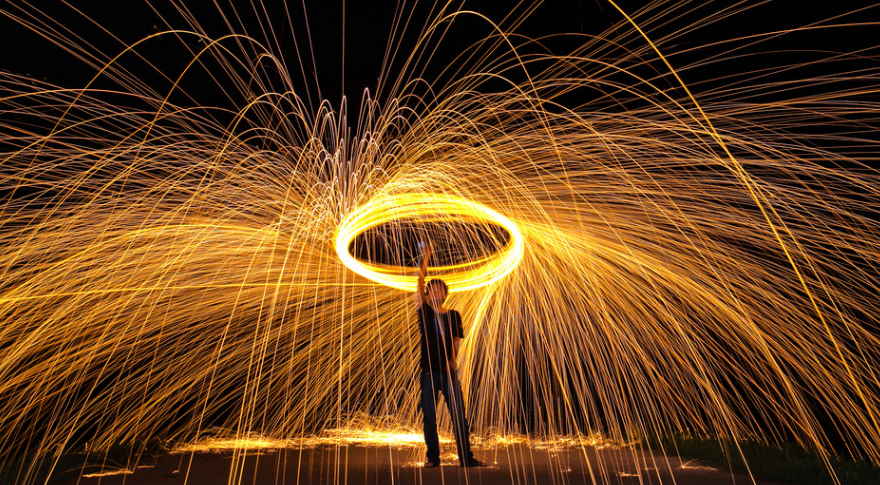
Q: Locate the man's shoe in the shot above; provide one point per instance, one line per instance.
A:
(431, 464)
(473, 463)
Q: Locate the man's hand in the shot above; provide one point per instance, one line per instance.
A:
(426, 248)
(453, 362)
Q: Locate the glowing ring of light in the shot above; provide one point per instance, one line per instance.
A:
(430, 208)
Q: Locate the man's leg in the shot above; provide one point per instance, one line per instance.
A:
(429, 415)
(455, 402)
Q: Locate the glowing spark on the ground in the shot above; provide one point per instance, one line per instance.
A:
(331, 437)
(109, 473)
(209, 445)
(399, 438)
(692, 465)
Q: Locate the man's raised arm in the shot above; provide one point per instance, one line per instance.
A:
(423, 271)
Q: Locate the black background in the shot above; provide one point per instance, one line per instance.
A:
(342, 47)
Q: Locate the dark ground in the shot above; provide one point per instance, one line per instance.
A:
(354, 465)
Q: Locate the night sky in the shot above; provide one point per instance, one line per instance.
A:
(348, 39)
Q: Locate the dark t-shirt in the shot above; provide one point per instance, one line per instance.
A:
(436, 331)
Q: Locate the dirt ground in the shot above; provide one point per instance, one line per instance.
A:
(376, 465)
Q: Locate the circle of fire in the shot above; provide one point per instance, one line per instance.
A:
(430, 208)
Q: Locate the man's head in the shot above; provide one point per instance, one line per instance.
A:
(437, 292)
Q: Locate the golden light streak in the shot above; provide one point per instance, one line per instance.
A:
(109, 473)
(430, 208)
(356, 434)
(690, 465)
(209, 445)
(341, 437)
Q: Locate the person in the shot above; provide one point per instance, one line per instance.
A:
(440, 332)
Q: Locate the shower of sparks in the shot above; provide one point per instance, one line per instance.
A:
(676, 260)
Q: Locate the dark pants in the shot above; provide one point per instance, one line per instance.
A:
(447, 383)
